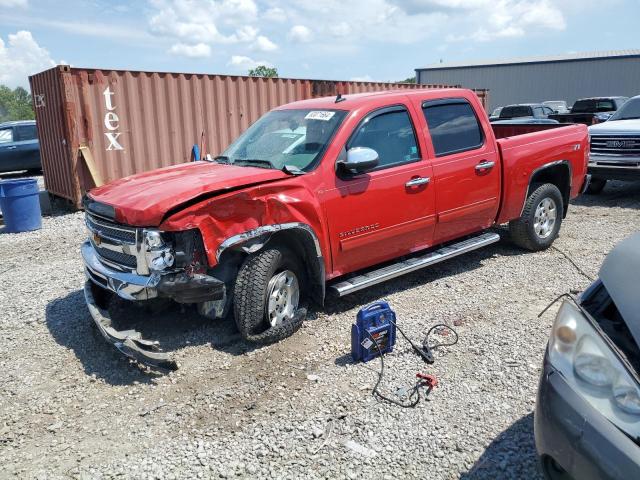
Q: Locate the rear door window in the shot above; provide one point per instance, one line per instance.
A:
(390, 133)
(453, 126)
(6, 135)
(26, 132)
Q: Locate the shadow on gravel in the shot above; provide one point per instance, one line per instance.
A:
(512, 454)
(438, 272)
(615, 194)
(175, 328)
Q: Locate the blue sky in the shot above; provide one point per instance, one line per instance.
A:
(328, 39)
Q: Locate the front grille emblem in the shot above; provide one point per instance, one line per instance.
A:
(620, 143)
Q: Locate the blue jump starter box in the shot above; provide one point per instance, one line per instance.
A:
(374, 322)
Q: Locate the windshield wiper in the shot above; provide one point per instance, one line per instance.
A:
(254, 162)
(221, 159)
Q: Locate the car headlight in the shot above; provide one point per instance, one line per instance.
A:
(153, 239)
(159, 254)
(578, 351)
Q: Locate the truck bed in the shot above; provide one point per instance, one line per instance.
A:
(523, 154)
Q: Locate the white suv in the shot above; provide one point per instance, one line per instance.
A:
(615, 147)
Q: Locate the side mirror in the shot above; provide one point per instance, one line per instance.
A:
(360, 160)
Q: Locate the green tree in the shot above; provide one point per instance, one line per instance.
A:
(264, 71)
(408, 80)
(15, 104)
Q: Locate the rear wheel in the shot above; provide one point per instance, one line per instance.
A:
(539, 224)
(267, 296)
(596, 186)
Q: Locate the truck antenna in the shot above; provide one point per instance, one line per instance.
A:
(339, 98)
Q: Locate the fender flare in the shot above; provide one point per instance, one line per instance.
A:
(252, 241)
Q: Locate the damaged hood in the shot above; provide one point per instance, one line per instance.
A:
(144, 199)
(620, 274)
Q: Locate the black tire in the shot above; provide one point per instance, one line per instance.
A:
(596, 186)
(523, 232)
(250, 296)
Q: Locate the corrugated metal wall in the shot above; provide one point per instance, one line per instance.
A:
(537, 82)
(137, 121)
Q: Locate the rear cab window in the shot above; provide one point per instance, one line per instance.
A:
(6, 135)
(390, 133)
(453, 126)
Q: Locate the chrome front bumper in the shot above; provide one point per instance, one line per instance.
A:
(128, 342)
(129, 286)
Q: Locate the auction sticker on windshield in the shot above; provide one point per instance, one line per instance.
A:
(319, 115)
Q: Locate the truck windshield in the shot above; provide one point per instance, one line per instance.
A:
(593, 106)
(630, 110)
(515, 111)
(295, 138)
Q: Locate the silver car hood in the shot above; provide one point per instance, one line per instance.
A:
(613, 127)
(620, 274)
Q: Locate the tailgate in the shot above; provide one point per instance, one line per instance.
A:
(523, 155)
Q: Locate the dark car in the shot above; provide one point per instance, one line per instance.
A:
(19, 146)
(524, 110)
(591, 110)
(587, 419)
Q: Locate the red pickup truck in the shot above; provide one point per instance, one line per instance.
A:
(330, 194)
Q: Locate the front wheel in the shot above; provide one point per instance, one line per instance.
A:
(267, 296)
(539, 224)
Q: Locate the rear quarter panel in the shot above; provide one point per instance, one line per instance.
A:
(523, 155)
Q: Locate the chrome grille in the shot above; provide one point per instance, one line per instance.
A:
(111, 231)
(115, 244)
(628, 145)
(119, 258)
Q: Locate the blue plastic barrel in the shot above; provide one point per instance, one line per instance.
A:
(20, 205)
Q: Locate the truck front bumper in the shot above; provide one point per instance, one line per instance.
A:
(614, 167)
(177, 286)
(130, 286)
(129, 342)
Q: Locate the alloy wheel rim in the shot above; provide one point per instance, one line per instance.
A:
(283, 295)
(545, 217)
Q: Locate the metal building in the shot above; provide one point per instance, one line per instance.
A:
(536, 79)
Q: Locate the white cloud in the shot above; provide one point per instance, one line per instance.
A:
(199, 50)
(364, 78)
(199, 21)
(300, 33)
(275, 14)
(245, 63)
(13, 3)
(263, 44)
(510, 19)
(341, 29)
(20, 57)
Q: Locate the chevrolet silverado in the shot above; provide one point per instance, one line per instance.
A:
(322, 196)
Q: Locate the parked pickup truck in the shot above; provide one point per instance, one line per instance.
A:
(589, 111)
(615, 147)
(322, 196)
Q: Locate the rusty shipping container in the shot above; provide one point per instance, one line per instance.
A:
(135, 121)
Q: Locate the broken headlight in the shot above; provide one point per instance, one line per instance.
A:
(158, 250)
(580, 353)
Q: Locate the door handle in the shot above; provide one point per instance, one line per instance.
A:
(484, 165)
(417, 181)
(12, 147)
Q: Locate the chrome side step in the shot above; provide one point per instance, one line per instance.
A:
(383, 274)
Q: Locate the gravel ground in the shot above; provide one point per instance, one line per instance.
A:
(72, 407)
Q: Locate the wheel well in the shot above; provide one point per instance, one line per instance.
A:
(558, 175)
(298, 240)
